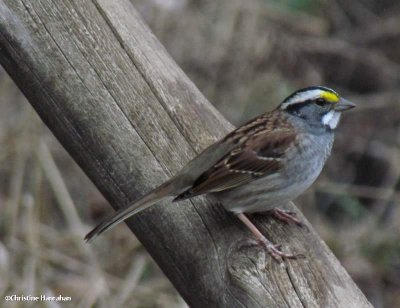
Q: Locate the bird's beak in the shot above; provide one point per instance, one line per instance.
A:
(343, 105)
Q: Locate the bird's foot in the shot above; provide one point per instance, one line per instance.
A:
(273, 250)
(276, 253)
(286, 216)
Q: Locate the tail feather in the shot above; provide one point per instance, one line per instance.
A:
(122, 214)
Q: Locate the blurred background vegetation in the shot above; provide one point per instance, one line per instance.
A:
(245, 56)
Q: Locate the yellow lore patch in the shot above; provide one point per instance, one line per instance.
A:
(330, 97)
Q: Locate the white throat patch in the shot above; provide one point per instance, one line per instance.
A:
(331, 119)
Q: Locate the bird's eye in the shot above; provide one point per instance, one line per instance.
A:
(321, 102)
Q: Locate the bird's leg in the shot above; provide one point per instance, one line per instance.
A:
(272, 249)
(285, 216)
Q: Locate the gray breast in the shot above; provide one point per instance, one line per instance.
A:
(302, 166)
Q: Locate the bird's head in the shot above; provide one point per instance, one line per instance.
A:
(317, 105)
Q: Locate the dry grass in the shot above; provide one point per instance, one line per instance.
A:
(245, 56)
(47, 205)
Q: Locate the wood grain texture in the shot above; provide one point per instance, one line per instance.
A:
(131, 118)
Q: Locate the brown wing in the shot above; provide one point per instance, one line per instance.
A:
(261, 154)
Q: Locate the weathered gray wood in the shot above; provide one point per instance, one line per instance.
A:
(131, 118)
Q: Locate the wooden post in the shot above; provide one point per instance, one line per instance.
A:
(131, 118)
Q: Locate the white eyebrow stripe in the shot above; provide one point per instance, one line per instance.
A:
(302, 96)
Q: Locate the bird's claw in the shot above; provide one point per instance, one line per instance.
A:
(286, 216)
(277, 254)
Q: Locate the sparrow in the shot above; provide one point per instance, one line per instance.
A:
(258, 167)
